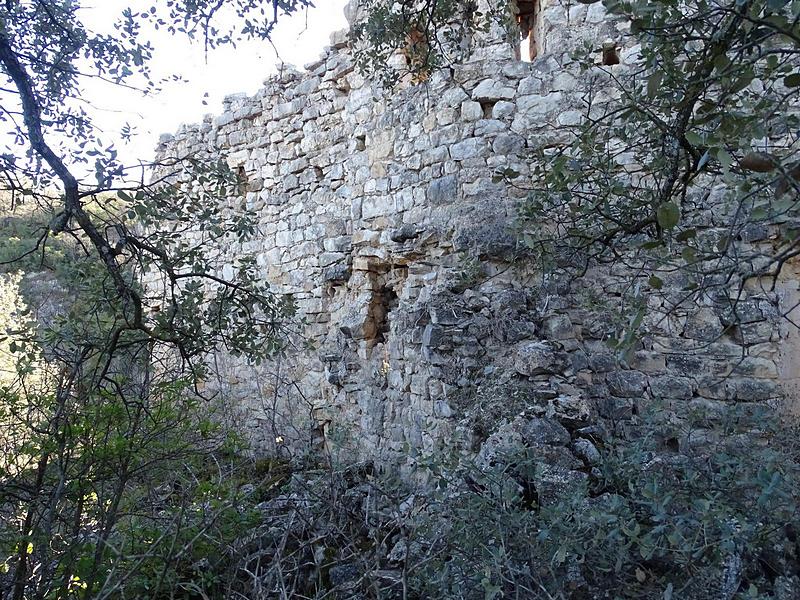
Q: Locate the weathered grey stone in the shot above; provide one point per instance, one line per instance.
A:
(469, 148)
(443, 190)
(336, 273)
(442, 409)
(508, 143)
(558, 327)
(433, 336)
(586, 451)
(530, 85)
(352, 11)
(668, 386)
(471, 111)
(503, 110)
(544, 431)
(444, 314)
(627, 384)
(490, 90)
(404, 233)
(615, 408)
(703, 325)
(752, 390)
(534, 358)
(602, 363)
(554, 484)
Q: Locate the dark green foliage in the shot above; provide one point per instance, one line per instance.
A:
(662, 515)
(674, 177)
(104, 423)
(429, 35)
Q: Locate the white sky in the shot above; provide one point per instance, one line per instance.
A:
(299, 40)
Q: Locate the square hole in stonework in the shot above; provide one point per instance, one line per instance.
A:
(610, 54)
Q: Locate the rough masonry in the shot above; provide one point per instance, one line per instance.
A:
(426, 326)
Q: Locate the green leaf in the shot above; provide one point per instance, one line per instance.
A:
(721, 62)
(655, 282)
(724, 158)
(792, 80)
(668, 215)
(693, 138)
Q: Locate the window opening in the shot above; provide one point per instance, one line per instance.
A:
(526, 14)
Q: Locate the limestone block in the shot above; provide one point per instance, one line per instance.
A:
(487, 127)
(490, 90)
(237, 159)
(443, 190)
(224, 119)
(648, 361)
(703, 325)
(577, 13)
(536, 358)
(565, 82)
(530, 85)
(453, 97)
(339, 39)
(287, 109)
(753, 390)
(469, 148)
(503, 110)
(668, 386)
(507, 145)
(596, 13)
(554, 484)
(586, 451)
(433, 336)
(380, 146)
(627, 384)
(544, 431)
(558, 327)
(471, 111)
(442, 409)
(446, 116)
(570, 118)
(536, 105)
(376, 206)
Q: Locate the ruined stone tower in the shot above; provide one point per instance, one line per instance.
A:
(425, 324)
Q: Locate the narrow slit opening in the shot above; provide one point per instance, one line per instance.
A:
(527, 16)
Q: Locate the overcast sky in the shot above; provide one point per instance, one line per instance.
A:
(298, 39)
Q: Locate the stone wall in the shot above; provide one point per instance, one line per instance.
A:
(425, 322)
